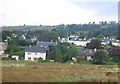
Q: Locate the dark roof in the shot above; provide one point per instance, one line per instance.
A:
(34, 49)
(46, 44)
(81, 51)
(89, 51)
(85, 52)
(114, 51)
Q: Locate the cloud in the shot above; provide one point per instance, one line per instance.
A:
(94, 0)
(42, 12)
(45, 12)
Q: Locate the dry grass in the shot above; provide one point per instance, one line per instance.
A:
(57, 72)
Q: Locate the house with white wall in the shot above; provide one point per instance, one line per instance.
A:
(86, 54)
(35, 52)
(114, 42)
(3, 47)
(38, 51)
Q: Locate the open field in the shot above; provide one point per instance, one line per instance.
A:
(57, 72)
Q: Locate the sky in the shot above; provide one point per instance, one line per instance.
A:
(54, 12)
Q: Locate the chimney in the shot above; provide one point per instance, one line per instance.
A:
(95, 49)
(38, 42)
(51, 41)
(30, 46)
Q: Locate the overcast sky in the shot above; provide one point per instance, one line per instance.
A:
(54, 12)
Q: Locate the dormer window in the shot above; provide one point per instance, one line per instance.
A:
(35, 53)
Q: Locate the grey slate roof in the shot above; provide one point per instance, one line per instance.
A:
(34, 49)
(46, 44)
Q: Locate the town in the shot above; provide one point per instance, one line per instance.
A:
(51, 45)
(60, 41)
(62, 53)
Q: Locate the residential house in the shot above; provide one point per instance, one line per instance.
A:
(86, 54)
(3, 47)
(38, 51)
(34, 39)
(35, 52)
(73, 37)
(46, 45)
(114, 53)
(23, 37)
(79, 43)
(107, 40)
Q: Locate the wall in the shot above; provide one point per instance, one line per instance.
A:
(33, 55)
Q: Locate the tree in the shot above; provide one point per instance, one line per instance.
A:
(100, 36)
(100, 57)
(68, 50)
(53, 35)
(94, 43)
(14, 49)
(20, 54)
(23, 42)
(5, 34)
(119, 30)
(83, 35)
(0, 36)
(73, 50)
(63, 52)
(110, 43)
(56, 54)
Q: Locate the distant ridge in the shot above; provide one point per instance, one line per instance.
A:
(12, 28)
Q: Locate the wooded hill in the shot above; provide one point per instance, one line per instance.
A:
(106, 29)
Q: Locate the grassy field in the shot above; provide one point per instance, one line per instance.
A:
(58, 72)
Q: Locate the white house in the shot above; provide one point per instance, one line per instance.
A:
(3, 47)
(79, 43)
(35, 52)
(114, 42)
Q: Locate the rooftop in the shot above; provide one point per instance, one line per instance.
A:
(46, 44)
(34, 49)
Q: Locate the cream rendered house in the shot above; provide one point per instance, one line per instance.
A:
(34, 52)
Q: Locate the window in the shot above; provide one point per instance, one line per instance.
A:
(29, 53)
(29, 58)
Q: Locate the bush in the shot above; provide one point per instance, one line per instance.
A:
(111, 63)
(39, 59)
(78, 60)
(85, 62)
(100, 57)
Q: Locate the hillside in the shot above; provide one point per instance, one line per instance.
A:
(94, 29)
(11, 28)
